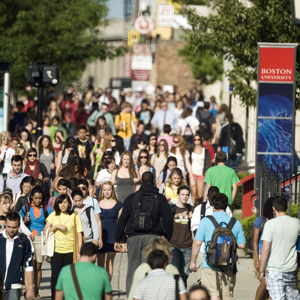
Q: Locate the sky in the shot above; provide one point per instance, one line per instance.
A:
(115, 9)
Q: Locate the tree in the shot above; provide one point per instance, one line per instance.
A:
(233, 31)
(64, 32)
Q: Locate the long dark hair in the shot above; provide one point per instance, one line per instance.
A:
(59, 200)
(201, 140)
(268, 211)
(150, 136)
(119, 145)
(69, 171)
(165, 169)
(143, 151)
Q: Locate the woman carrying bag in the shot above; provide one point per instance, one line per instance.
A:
(34, 215)
(67, 229)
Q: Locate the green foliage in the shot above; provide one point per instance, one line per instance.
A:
(191, 2)
(64, 32)
(233, 31)
(237, 204)
(294, 211)
(247, 225)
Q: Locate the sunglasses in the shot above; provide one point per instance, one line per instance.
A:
(141, 157)
(151, 139)
(84, 188)
(5, 139)
(112, 141)
(2, 226)
(31, 155)
(196, 139)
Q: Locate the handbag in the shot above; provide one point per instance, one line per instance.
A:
(47, 243)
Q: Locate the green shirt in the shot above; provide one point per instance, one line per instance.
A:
(222, 177)
(282, 232)
(93, 281)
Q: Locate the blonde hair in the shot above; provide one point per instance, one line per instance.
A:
(5, 134)
(159, 243)
(125, 104)
(165, 147)
(113, 194)
(176, 171)
(5, 198)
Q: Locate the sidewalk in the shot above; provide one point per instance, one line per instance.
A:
(245, 288)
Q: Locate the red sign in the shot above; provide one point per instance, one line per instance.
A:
(143, 24)
(140, 75)
(276, 64)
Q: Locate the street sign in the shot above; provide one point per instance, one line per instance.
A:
(143, 24)
(165, 15)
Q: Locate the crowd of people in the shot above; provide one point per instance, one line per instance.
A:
(134, 174)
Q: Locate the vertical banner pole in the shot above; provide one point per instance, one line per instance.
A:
(6, 109)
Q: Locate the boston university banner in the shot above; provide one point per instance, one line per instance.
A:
(275, 106)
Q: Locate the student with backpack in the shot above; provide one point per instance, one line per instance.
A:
(34, 215)
(146, 214)
(201, 211)
(206, 119)
(222, 236)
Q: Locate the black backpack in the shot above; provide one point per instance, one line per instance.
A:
(204, 126)
(145, 212)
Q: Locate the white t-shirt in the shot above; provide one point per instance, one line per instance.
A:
(9, 153)
(103, 175)
(191, 121)
(282, 232)
(180, 159)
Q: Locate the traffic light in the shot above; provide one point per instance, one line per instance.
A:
(42, 74)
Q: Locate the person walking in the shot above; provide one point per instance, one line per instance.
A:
(278, 258)
(222, 177)
(92, 281)
(160, 222)
(159, 284)
(34, 215)
(111, 210)
(67, 230)
(219, 282)
(14, 177)
(16, 259)
(182, 238)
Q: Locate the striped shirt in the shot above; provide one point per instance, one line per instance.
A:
(158, 285)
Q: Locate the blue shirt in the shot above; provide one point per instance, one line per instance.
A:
(35, 223)
(206, 229)
(159, 118)
(257, 224)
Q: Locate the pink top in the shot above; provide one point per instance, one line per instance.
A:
(168, 138)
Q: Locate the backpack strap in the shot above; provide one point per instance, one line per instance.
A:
(76, 283)
(231, 223)
(45, 208)
(213, 220)
(176, 277)
(203, 209)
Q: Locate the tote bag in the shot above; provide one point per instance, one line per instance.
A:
(47, 243)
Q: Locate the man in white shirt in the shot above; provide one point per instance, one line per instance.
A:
(7, 154)
(278, 258)
(201, 211)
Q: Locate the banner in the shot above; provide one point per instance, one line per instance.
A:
(275, 106)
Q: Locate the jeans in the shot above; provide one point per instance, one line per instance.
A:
(236, 161)
(58, 261)
(12, 294)
(181, 260)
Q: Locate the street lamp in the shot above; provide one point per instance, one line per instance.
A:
(296, 12)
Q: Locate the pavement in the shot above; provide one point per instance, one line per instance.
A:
(245, 288)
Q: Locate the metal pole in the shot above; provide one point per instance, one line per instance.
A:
(246, 136)
(40, 111)
(229, 118)
(6, 110)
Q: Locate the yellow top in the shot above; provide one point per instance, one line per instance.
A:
(171, 194)
(64, 241)
(120, 118)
